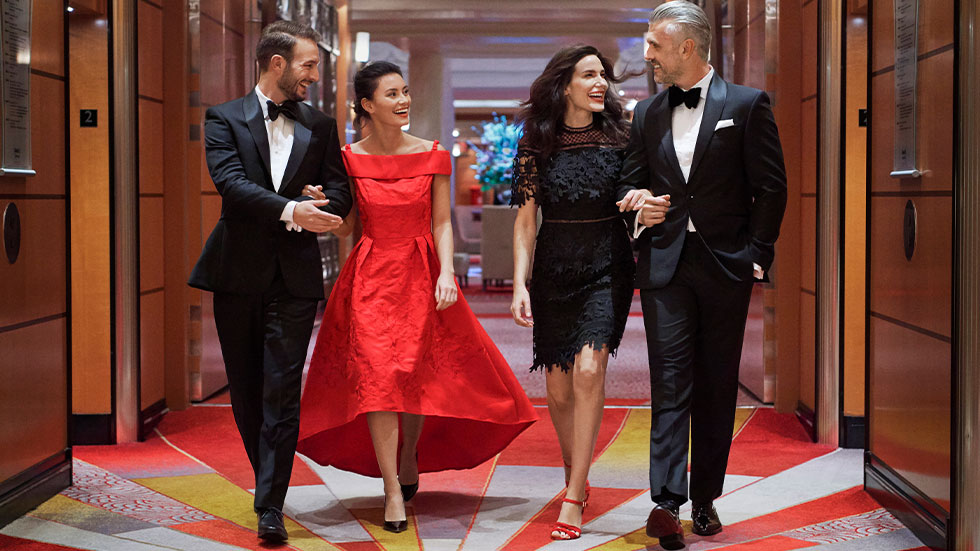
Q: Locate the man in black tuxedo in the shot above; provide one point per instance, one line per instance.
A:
(262, 260)
(709, 152)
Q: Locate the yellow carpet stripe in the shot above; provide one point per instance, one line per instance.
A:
(214, 494)
(632, 445)
(372, 520)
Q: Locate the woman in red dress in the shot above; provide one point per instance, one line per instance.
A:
(398, 345)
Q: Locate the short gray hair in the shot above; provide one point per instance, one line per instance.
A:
(691, 18)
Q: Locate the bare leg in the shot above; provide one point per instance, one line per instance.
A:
(589, 393)
(408, 469)
(561, 406)
(384, 435)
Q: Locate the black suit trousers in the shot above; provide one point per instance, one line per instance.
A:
(264, 339)
(694, 326)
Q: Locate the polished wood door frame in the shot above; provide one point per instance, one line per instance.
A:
(829, 204)
(966, 284)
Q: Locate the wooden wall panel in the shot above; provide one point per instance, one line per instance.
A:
(234, 68)
(152, 375)
(810, 54)
(47, 137)
(210, 211)
(151, 147)
(212, 63)
(33, 301)
(808, 243)
(150, 51)
(91, 268)
(151, 203)
(934, 140)
(935, 30)
(235, 17)
(33, 396)
(227, 13)
(222, 51)
(808, 180)
(35, 286)
(910, 406)
(911, 300)
(917, 291)
(855, 217)
(48, 38)
(151, 243)
(788, 110)
(808, 350)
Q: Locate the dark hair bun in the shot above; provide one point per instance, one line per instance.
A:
(366, 83)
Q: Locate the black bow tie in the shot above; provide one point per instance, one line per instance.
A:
(288, 109)
(676, 96)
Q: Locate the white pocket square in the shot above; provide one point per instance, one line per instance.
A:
(724, 124)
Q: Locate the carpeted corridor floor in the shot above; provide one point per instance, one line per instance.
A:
(187, 487)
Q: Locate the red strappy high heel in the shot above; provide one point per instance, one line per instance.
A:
(587, 487)
(565, 531)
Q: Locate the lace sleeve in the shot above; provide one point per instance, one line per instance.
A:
(525, 184)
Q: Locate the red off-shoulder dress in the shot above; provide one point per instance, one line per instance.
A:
(382, 346)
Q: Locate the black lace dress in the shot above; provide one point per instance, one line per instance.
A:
(582, 276)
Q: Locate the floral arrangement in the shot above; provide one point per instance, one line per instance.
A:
(495, 155)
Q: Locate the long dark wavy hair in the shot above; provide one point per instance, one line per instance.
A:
(543, 114)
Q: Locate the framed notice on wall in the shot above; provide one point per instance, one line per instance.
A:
(906, 65)
(15, 87)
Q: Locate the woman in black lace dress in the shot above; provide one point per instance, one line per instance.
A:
(582, 282)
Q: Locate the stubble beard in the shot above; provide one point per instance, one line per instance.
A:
(287, 85)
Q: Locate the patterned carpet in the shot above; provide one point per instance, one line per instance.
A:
(188, 488)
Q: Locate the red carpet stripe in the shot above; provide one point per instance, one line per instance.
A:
(536, 532)
(210, 434)
(538, 445)
(16, 544)
(359, 546)
(149, 459)
(770, 444)
(839, 505)
(222, 531)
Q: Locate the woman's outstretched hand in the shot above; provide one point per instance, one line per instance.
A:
(520, 307)
(315, 192)
(445, 291)
(633, 200)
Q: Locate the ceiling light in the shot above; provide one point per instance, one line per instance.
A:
(362, 47)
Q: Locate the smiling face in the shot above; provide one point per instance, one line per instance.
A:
(666, 52)
(391, 101)
(299, 73)
(587, 89)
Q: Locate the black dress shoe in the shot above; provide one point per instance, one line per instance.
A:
(396, 526)
(408, 490)
(705, 519)
(664, 523)
(271, 527)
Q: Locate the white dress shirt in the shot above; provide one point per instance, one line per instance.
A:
(280, 135)
(685, 124)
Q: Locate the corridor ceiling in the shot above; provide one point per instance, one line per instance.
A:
(496, 48)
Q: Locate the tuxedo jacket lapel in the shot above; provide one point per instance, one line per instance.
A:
(659, 118)
(301, 142)
(256, 125)
(713, 106)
